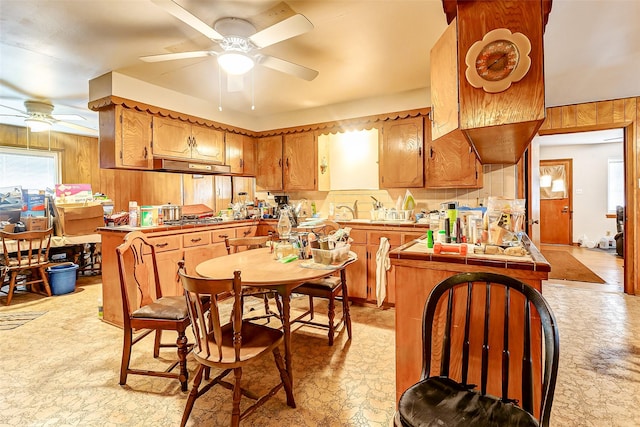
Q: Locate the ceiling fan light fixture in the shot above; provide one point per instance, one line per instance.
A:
(235, 63)
(36, 124)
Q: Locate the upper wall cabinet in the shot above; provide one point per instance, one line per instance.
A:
(287, 163)
(300, 152)
(240, 154)
(182, 140)
(451, 163)
(497, 104)
(401, 151)
(269, 169)
(125, 138)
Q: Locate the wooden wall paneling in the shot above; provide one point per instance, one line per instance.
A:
(198, 189)
(568, 116)
(586, 114)
(159, 188)
(604, 112)
(555, 117)
(618, 110)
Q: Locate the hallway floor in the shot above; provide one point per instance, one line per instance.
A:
(61, 369)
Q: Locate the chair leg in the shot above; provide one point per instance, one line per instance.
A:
(332, 315)
(346, 315)
(126, 355)
(45, 280)
(156, 343)
(181, 342)
(284, 376)
(237, 394)
(266, 307)
(192, 396)
(278, 305)
(310, 307)
(12, 286)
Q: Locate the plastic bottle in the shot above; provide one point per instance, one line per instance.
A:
(100, 308)
(430, 238)
(133, 214)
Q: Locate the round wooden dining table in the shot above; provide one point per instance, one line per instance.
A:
(259, 268)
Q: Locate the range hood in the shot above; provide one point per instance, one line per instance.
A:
(186, 166)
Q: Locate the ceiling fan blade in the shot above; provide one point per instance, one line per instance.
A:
(191, 20)
(67, 117)
(283, 30)
(77, 127)
(287, 67)
(180, 55)
(12, 115)
(15, 109)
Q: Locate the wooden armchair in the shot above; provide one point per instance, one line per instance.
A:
(230, 346)
(26, 253)
(144, 308)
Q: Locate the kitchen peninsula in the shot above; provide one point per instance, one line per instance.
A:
(192, 243)
(416, 270)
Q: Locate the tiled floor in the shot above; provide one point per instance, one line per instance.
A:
(61, 369)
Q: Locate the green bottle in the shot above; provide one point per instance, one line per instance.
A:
(430, 238)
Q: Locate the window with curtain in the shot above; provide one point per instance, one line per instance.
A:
(30, 169)
(615, 184)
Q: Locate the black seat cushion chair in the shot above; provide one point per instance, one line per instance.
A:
(484, 333)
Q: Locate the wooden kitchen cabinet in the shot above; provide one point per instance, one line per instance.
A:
(357, 272)
(287, 163)
(197, 248)
(300, 155)
(269, 155)
(401, 153)
(168, 253)
(450, 162)
(240, 154)
(125, 138)
(176, 139)
(361, 275)
(499, 125)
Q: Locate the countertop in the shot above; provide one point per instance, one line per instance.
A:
(418, 251)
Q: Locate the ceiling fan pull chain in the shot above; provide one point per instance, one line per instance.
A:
(253, 89)
(219, 88)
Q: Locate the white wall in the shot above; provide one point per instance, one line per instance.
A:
(589, 185)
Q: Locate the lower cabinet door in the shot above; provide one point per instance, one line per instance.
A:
(194, 256)
(357, 274)
(168, 272)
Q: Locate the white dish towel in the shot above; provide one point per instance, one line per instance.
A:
(382, 265)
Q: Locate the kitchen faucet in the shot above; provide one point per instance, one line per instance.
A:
(353, 210)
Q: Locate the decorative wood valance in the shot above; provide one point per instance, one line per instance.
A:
(357, 123)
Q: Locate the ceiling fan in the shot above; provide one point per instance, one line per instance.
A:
(240, 42)
(39, 117)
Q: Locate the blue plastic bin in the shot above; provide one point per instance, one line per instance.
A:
(62, 278)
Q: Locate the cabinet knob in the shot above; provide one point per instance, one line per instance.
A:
(162, 245)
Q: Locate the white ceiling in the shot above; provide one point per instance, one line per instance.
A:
(364, 51)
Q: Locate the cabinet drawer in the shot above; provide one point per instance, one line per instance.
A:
(246, 231)
(411, 236)
(219, 235)
(166, 243)
(358, 236)
(373, 237)
(196, 239)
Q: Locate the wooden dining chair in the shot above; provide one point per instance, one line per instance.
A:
(145, 308)
(229, 346)
(26, 253)
(332, 288)
(236, 244)
(469, 321)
